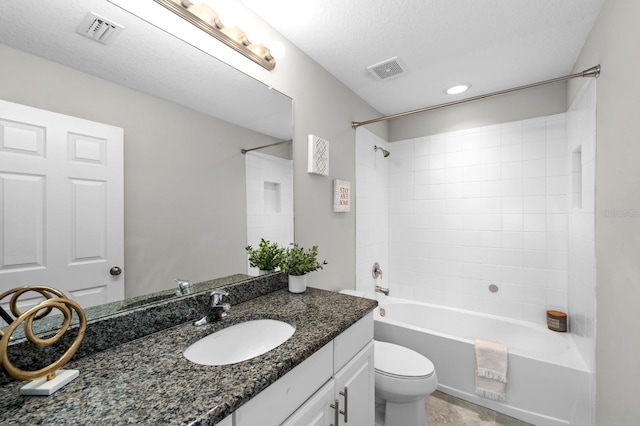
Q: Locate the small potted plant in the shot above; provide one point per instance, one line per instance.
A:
(297, 263)
(266, 257)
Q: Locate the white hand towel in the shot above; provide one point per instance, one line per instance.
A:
(491, 370)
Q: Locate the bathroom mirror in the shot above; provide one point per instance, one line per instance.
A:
(186, 116)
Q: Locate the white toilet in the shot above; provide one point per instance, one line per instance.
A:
(404, 379)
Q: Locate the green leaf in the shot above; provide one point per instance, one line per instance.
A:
(266, 257)
(299, 261)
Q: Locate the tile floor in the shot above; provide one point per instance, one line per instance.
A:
(446, 410)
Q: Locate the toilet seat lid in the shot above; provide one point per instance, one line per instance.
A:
(398, 361)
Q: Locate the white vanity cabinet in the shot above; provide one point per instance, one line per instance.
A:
(355, 388)
(308, 394)
(319, 410)
(348, 398)
(228, 421)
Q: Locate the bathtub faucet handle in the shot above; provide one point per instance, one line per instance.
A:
(376, 271)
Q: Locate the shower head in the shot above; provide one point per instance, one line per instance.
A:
(385, 153)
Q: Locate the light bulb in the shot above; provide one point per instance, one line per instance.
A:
(457, 89)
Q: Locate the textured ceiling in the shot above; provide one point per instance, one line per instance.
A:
(144, 58)
(492, 44)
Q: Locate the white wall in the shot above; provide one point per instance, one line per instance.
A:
(613, 43)
(581, 137)
(534, 102)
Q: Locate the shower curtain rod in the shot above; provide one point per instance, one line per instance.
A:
(244, 151)
(591, 72)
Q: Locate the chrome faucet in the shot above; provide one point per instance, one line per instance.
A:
(382, 290)
(216, 309)
(184, 287)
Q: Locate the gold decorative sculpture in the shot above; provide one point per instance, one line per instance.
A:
(49, 379)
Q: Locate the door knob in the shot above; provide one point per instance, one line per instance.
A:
(115, 271)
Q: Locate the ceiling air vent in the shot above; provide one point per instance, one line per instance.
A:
(387, 69)
(99, 29)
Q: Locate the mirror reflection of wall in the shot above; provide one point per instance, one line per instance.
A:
(269, 200)
(185, 203)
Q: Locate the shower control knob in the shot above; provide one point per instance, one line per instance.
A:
(376, 271)
(115, 271)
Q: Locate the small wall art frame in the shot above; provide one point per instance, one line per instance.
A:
(318, 156)
(341, 196)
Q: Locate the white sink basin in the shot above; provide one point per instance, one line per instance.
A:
(239, 342)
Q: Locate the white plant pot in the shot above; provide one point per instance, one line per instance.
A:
(297, 283)
(263, 272)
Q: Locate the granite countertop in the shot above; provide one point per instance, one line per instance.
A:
(96, 312)
(149, 381)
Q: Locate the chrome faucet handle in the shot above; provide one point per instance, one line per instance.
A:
(216, 310)
(216, 297)
(184, 287)
(376, 271)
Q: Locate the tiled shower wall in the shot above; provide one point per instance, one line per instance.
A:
(491, 205)
(478, 207)
(269, 200)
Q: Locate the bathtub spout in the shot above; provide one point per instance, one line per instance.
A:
(382, 290)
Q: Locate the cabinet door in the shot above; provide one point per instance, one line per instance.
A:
(227, 421)
(281, 399)
(355, 390)
(317, 410)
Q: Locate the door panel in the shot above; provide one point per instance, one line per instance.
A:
(86, 149)
(88, 221)
(316, 411)
(22, 214)
(21, 138)
(355, 388)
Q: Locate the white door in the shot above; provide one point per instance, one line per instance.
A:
(61, 205)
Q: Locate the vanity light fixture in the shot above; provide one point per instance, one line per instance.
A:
(457, 89)
(205, 18)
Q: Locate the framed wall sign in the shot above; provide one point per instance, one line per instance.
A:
(341, 196)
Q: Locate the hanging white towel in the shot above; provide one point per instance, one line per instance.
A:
(491, 370)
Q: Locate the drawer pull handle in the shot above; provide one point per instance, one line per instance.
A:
(336, 412)
(346, 403)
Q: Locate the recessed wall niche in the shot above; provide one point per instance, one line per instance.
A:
(576, 178)
(272, 197)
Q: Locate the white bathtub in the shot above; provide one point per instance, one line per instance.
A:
(548, 381)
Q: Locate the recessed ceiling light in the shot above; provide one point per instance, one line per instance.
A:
(457, 89)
